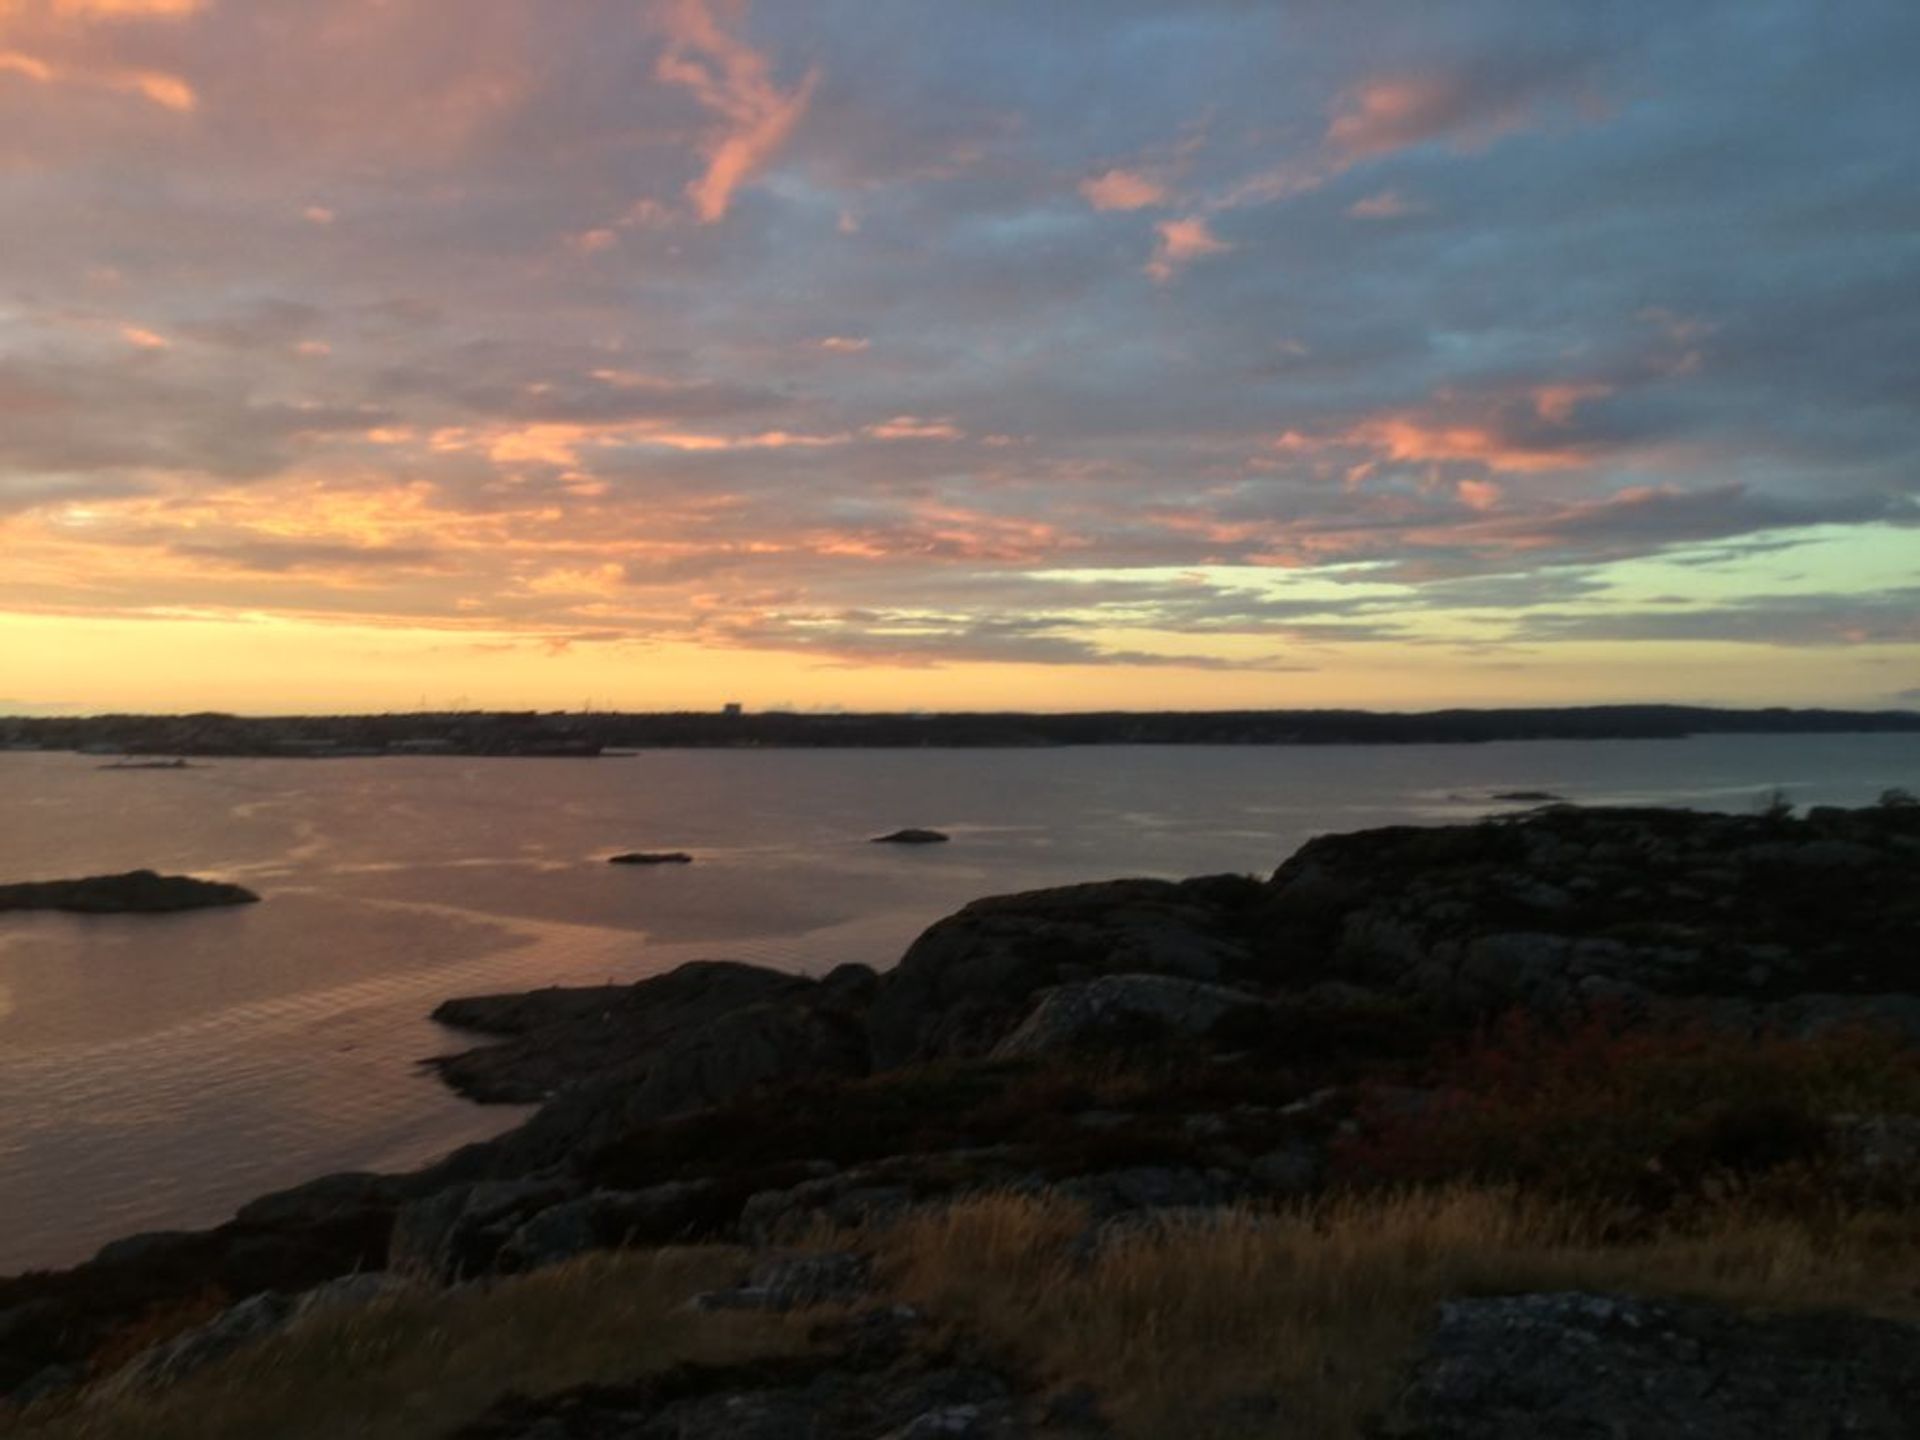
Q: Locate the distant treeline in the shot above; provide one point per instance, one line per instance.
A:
(555, 733)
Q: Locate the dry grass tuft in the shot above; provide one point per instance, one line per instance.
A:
(418, 1366)
(1172, 1322)
(1324, 1307)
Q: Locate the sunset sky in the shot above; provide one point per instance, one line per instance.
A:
(360, 354)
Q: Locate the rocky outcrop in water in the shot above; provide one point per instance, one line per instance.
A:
(138, 892)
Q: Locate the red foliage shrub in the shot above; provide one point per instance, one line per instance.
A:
(1604, 1107)
(156, 1325)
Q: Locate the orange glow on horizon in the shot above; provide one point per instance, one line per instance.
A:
(268, 664)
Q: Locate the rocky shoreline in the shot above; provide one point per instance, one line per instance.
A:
(1136, 1048)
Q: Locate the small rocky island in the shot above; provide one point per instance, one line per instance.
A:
(1441, 1133)
(651, 857)
(137, 892)
(911, 836)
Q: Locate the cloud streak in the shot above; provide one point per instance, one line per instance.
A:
(733, 81)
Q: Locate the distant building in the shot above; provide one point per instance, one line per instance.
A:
(731, 709)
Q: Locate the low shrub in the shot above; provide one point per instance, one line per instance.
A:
(1624, 1112)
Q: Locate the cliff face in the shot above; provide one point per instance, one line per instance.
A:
(1138, 1047)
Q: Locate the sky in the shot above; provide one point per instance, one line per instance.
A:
(899, 354)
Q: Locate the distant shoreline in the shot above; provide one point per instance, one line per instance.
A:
(555, 735)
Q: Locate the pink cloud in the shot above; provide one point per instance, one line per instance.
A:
(1482, 495)
(735, 82)
(592, 242)
(1410, 437)
(1387, 205)
(1555, 404)
(56, 50)
(15, 62)
(169, 92)
(1395, 112)
(1276, 182)
(912, 427)
(126, 9)
(1122, 190)
(1180, 243)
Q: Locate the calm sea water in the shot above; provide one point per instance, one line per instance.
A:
(157, 1071)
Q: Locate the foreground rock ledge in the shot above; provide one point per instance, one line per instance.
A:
(1570, 1366)
(138, 892)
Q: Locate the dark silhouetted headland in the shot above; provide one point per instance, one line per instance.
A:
(555, 734)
